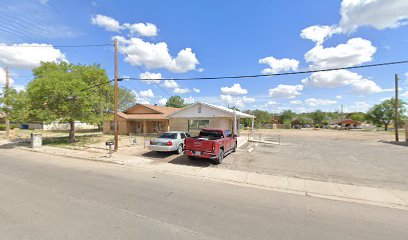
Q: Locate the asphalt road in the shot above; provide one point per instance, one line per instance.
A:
(47, 197)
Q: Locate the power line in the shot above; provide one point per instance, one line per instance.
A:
(153, 80)
(58, 46)
(274, 74)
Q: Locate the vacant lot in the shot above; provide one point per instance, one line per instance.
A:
(353, 157)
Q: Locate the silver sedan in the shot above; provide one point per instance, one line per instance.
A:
(169, 142)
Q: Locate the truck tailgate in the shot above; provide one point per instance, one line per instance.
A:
(198, 144)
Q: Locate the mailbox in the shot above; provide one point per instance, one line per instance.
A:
(110, 143)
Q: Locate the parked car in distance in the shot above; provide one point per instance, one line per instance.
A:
(211, 144)
(169, 142)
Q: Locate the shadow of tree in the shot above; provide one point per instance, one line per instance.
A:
(400, 143)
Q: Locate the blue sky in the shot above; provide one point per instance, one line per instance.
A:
(173, 39)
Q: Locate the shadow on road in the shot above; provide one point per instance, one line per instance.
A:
(196, 162)
(403, 144)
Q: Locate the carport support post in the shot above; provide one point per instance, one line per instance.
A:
(235, 122)
(396, 108)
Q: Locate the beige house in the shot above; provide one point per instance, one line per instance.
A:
(204, 115)
(141, 119)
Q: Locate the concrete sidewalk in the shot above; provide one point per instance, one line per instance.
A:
(327, 190)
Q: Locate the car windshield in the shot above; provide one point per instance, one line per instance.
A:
(169, 135)
(211, 133)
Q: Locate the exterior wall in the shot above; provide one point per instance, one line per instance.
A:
(178, 124)
(137, 127)
(65, 126)
(205, 112)
(123, 127)
(181, 124)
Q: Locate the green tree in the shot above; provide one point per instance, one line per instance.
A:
(357, 116)
(126, 99)
(176, 102)
(68, 93)
(16, 105)
(384, 113)
(318, 117)
(287, 115)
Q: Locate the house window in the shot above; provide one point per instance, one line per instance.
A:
(198, 124)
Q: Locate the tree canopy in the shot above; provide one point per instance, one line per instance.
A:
(67, 93)
(384, 112)
(176, 102)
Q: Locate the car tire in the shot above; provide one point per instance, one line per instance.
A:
(220, 157)
(180, 149)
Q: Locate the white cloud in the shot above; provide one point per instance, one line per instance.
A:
(313, 102)
(352, 53)
(189, 100)
(235, 89)
(236, 101)
(140, 99)
(278, 65)
(28, 56)
(170, 84)
(333, 79)
(146, 94)
(181, 90)
(156, 55)
(339, 97)
(296, 102)
(162, 101)
(142, 29)
(286, 91)
(359, 106)
(106, 22)
(196, 90)
(379, 14)
(319, 34)
(272, 103)
(147, 76)
(405, 94)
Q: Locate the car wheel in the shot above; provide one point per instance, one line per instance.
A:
(220, 157)
(180, 149)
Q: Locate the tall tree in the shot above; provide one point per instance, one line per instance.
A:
(318, 117)
(68, 93)
(127, 99)
(384, 112)
(16, 105)
(287, 115)
(175, 101)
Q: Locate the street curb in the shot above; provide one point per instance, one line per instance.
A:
(69, 156)
(156, 168)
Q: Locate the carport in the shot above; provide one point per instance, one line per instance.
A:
(204, 115)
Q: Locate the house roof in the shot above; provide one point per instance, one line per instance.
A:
(162, 113)
(221, 108)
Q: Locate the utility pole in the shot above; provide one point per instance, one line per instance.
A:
(116, 97)
(396, 108)
(7, 110)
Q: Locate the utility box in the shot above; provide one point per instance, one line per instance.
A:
(36, 140)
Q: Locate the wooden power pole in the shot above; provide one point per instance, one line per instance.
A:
(116, 97)
(6, 94)
(396, 108)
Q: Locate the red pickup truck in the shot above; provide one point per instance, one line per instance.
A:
(210, 143)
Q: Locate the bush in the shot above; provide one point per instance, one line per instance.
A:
(287, 124)
(3, 127)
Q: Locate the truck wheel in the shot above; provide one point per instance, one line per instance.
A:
(220, 157)
(180, 149)
(234, 149)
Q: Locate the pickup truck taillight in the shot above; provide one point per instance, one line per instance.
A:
(213, 147)
(169, 143)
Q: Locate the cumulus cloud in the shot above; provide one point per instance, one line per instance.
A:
(196, 90)
(333, 79)
(405, 94)
(359, 106)
(339, 97)
(296, 102)
(319, 34)
(170, 84)
(235, 89)
(286, 91)
(113, 25)
(189, 100)
(140, 99)
(352, 53)
(272, 103)
(236, 101)
(28, 56)
(181, 90)
(106, 22)
(314, 102)
(162, 101)
(156, 55)
(378, 14)
(147, 76)
(146, 94)
(142, 29)
(278, 65)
